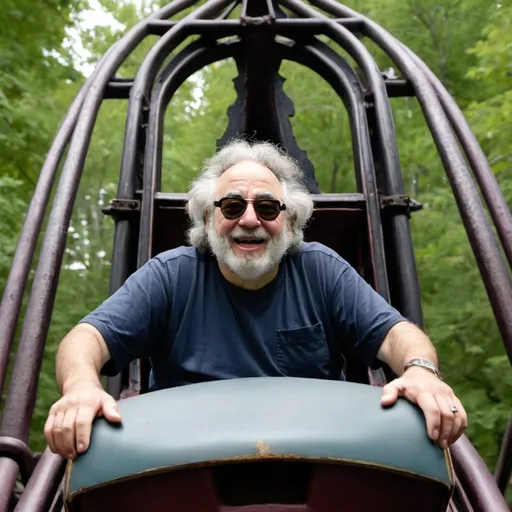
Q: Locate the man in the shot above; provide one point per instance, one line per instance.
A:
(248, 298)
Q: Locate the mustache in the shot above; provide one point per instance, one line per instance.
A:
(257, 233)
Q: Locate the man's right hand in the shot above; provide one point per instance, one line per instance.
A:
(69, 424)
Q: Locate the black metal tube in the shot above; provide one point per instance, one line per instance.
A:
(407, 283)
(394, 88)
(475, 478)
(124, 229)
(8, 476)
(16, 282)
(19, 452)
(18, 276)
(483, 242)
(21, 398)
(24, 254)
(340, 76)
(195, 56)
(400, 257)
(297, 26)
(40, 490)
(504, 465)
(498, 208)
(347, 86)
(141, 96)
(460, 501)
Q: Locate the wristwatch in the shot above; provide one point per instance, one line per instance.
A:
(423, 363)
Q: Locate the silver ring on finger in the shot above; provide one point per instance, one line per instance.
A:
(454, 409)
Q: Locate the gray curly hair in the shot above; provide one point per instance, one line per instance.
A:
(299, 204)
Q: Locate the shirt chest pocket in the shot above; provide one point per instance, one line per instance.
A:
(303, 352)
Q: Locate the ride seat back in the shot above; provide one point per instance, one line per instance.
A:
(280, 444)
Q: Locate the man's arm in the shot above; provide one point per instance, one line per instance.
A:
(81, 355)
(403, 343)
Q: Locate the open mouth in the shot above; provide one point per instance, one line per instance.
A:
(242, 241)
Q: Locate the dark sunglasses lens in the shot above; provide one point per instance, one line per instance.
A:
(233, 208)
(268, 210)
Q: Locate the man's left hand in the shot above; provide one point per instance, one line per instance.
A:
(436, 399)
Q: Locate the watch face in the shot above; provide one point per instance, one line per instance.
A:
(423, 363)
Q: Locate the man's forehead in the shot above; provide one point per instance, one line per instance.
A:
(248, 175)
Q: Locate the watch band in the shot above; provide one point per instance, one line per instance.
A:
(423, 363)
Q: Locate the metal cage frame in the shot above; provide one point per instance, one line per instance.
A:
(378, 178)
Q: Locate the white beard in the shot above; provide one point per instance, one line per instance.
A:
(248, 266)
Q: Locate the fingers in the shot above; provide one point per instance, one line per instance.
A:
(110, 411)
(69, 423)
(448, 419)
(68, 433)
(391, 391)
(444, 426)
(460, 422)
(61, 433)
(57, 432)
(48, 431)
(83, 422)
(430, 408)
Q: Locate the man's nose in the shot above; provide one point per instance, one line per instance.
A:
(249, 219)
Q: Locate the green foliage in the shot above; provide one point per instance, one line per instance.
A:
(12, 208)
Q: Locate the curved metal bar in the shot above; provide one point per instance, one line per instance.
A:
(498, 208)
(9, 475)
(194, 57)
(21, 399)
(42, 487)
(42, 296)
(364, 165)
(346, 85)
(504, 465)
(140, 97)
(189, 60)
(20, 452)
(476, 480)
(24, 254)
(18, 275)
(341, 77)
(405, 283)
(401, 263)
(483, 242)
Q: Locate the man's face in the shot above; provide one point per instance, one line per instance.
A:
(249, 245)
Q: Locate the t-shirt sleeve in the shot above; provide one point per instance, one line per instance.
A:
(362, 315)
(135, 317)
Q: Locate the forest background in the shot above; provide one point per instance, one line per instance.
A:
(45, 53)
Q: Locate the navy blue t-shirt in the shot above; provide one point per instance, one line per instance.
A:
(195, 326)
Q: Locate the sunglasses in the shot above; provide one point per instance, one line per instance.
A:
(234, 207)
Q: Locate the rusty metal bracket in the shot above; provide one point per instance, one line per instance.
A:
(401, 203)
(122, 207)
